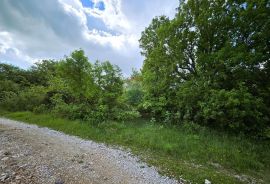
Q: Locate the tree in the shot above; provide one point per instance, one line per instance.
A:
(41, 72)
(109, 82)
(14, 74)
(157, 68)
(220, 46)
(76, 72)
(133, 93)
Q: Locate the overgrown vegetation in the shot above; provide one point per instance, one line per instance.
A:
(191, 152)
(72, 88)
(209, 66)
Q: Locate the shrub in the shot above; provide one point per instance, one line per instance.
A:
(63, 109)
(126, 114)
(188, 98)
(27, 99)
(98, 115)
(235, 110)
(9, 101)
(40, 109)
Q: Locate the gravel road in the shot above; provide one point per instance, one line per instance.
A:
(29, 154)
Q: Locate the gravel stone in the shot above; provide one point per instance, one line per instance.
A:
(41, 155)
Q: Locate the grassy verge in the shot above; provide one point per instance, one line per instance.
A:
(190, 152)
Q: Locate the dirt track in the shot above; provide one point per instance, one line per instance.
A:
(29, 154)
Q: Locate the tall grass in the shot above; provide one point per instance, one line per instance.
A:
(189, 151)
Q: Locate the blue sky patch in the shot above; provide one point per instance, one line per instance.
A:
(100, 5)
(88, 3)
(96, 23)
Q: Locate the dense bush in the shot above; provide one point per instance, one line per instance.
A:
(27, 100)
(72, 88)
(209, 65)
(133, 92)
(234, 109)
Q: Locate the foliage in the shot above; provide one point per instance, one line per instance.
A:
(210, 65)
(236, 109)
(75, 71)
(108, 79)
(190, 151)
(73, 88)
(28, 99)
(133, 92)
(42, 72)
(9, 73)
(126, 114)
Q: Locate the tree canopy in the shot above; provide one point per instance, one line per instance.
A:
(210, 64)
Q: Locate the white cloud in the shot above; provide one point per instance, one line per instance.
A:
(75, 8)
(112, 16)
(10, 53)
(119, 43)
(32, 30)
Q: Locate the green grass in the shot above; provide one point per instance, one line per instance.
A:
(190, 152)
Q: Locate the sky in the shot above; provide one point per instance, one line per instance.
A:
(107, 30)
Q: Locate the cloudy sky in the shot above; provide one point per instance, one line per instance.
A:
(31, 30)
